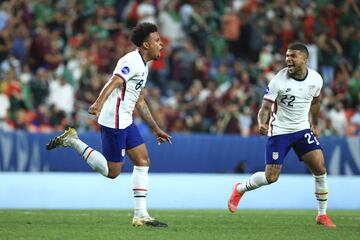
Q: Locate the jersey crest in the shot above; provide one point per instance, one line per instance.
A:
(312, 90)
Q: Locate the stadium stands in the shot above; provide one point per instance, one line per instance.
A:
(219, 56)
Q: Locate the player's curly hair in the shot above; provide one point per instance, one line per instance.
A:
(300, 47)
(141, 32)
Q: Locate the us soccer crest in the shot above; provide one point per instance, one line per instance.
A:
(312, 90)
(275, 155)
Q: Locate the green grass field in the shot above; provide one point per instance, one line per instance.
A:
(183, 224)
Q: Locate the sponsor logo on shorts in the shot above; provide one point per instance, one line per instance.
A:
(275, 155)
(123, 152)
(125, 70)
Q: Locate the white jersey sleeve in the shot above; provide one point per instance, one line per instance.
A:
(319, 84)
(125, 69)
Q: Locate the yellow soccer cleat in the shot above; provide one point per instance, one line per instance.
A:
(147, 221)
(63, 139)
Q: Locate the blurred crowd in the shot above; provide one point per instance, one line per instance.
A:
(219, 55)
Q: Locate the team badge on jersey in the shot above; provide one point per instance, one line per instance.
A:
(275, 155)
(312, 90)
(125, 70)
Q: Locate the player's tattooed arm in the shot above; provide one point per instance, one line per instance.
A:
(263, 117)
(114, 82)
(146, 115)
(314, 116)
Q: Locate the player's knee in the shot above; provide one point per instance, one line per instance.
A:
(144, 162)
(319, 169)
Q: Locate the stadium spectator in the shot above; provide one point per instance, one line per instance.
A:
(61, 89)
(355, 121)
(4, 110)
(146, 12)
(338, 118)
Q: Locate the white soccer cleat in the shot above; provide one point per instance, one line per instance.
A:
(63, 139)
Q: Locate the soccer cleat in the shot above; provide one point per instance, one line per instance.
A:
(324, 220)
(63, 139)
(147, 221)
(234, 199)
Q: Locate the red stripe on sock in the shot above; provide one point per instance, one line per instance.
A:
(139, 189)
(321, 193)
(89, 154)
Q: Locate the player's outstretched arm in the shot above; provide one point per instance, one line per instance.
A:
(263, 117)
(314, 116)
(114, 82)
(146, 115)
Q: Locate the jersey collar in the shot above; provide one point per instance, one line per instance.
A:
(142, 57)
(301, 79)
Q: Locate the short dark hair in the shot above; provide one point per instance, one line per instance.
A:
(141, 32)
(300, 47)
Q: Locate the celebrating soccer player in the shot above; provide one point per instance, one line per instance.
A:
(291, 95)
(114, 108)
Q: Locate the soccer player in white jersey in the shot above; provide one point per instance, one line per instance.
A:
(114, 108)
(290, 96)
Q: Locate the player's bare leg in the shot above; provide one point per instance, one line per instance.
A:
(114, 169)
(258, 179)
(315, 162)
(92, 157)
(139, 156)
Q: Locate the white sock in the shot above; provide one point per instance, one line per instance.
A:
(78, 145)
(140, 188)
(92, 157)
(96, 161)
(321, 193)
(256, 180)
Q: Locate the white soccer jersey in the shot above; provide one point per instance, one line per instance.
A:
(292, 100)
(118, 108)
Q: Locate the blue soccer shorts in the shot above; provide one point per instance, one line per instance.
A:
(278, 146)
(116, 141)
